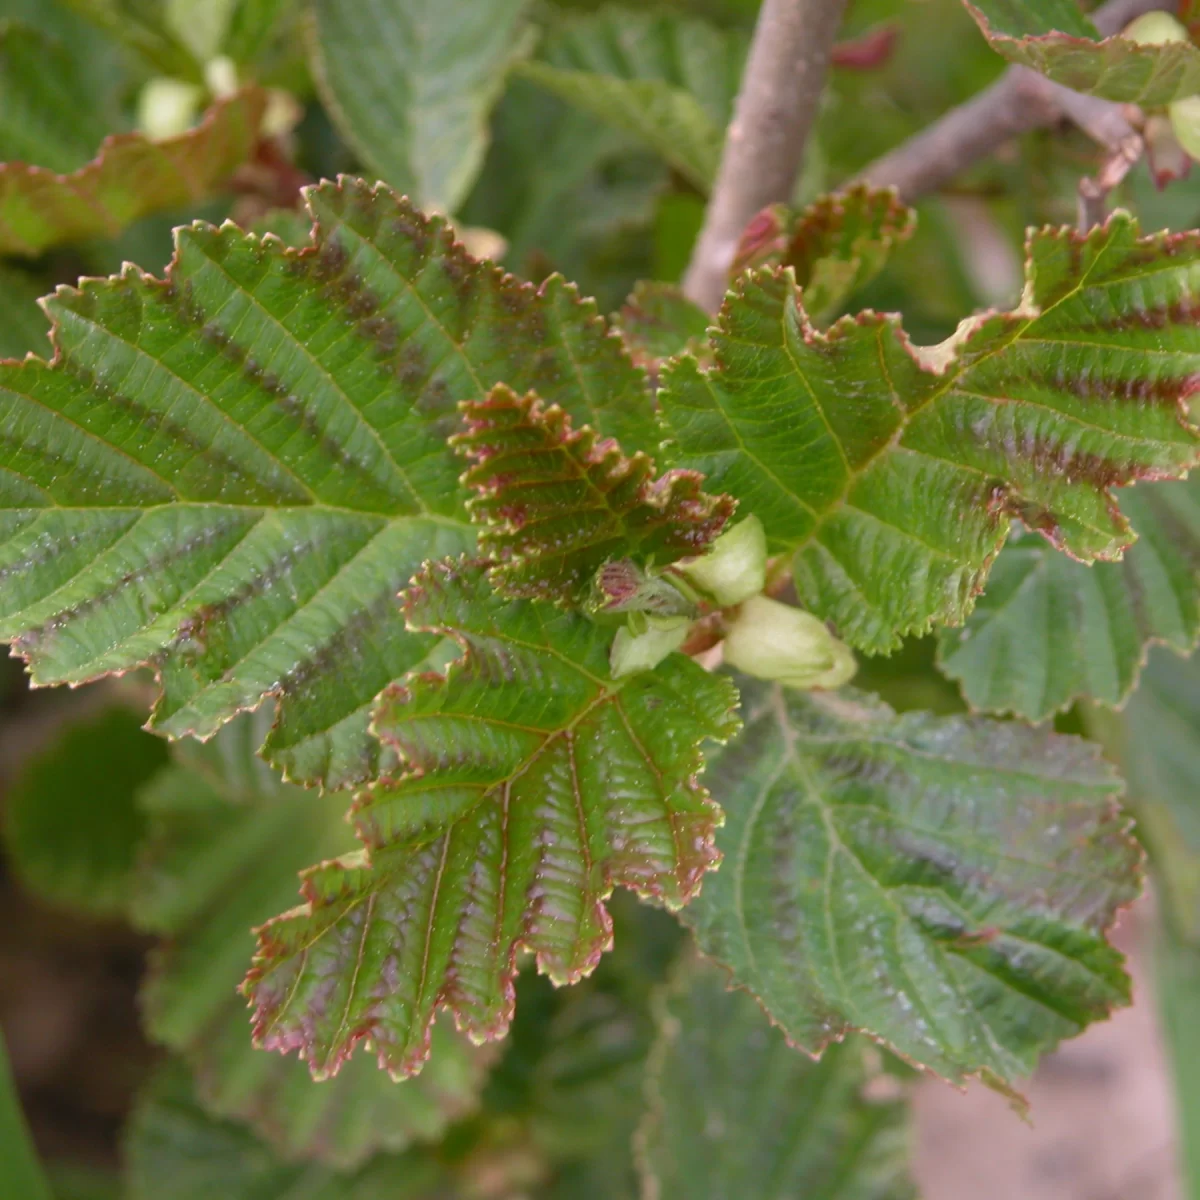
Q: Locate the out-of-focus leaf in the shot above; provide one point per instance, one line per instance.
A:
(253, 27)
(556, 503)
(521, 808)
(666, 79)
(48, 114)
(891, 472)
(23, 1172)
(227, 841)
(410, 84)
(140, 25)
(733, 1110)
(1053, 37)
(234, 472)
(658, 322)
(836, 245)
(72, 824)
(1177, 975)
(173, 1147)
(943, 883)
(23, 325)
(1049, 630)
(131, 176)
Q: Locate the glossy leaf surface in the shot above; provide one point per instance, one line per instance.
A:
(521, 807)
(943, 883)
(892, 472)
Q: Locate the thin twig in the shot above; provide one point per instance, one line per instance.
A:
(1019, 101)
(775, 110)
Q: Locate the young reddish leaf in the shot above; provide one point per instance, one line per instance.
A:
(130, 177)
(535, 783)
(891, 472)
(1053, 37)
(226, 842)
(232, 472)
(837, 245)
(941, 883)
(1049, 630)
(557, 503)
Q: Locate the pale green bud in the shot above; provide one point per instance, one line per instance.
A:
(735, 567)
(167, 107)
(644, 650)
(775, 641)
(1185, 122)
(1155, 29)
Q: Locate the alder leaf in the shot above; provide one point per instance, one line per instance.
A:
(410, 84)
(1055, 38)
(556, 503)
(890, 472)
(131, 176)
(225, 845)
(534, 784)
(837, 245)
(732, 1110)
(941, 883)
(174, 1147)
(1049, 631)
(667, 79)
(231, 474)
(658, 322)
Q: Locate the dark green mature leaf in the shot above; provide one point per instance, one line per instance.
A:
(943, 883)
(72, 825)
(226, 844)
(410, 84)
(174, 1148)
(233, 472)
(1048, 630)
(556, 503)
(891, 472)
(48, 115)
(1056, 39)
(837, 245)
(130, 177)
(734, 1111)
(522, 807)
(667, 79)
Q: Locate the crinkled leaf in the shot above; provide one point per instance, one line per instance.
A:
(557, 503)
(48, 114)
(1049, 630)
(130, 177)
(1056, 39)
(891, 472)
(72, 826)
(534, 785)
(410, 84)
(667, 79)
(942, 883)
(837, 245)
(658, 322)
(225, 846)
(233, 472)
(732, 1110)
(173, 1147)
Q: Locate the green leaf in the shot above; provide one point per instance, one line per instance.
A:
(130, 177)
(141, 25)
(74, 842)
(1177, 976)
(890, 472)
(667, 79)
(734, 1111)
(47, 111)
(1057, 40)
(1048, 630)
(556, 503)
(22, 1169)
(226, 844)
(837, 245)
(23, 326)
(658, 322)
(174, 1148)
(521, 808)
(410, 84)
(232, 473)
(942, 883)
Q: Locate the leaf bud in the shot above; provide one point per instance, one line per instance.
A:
(1185, 123)
(1155, 29)
(775, 641)
(643, 650)
(735, 567)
